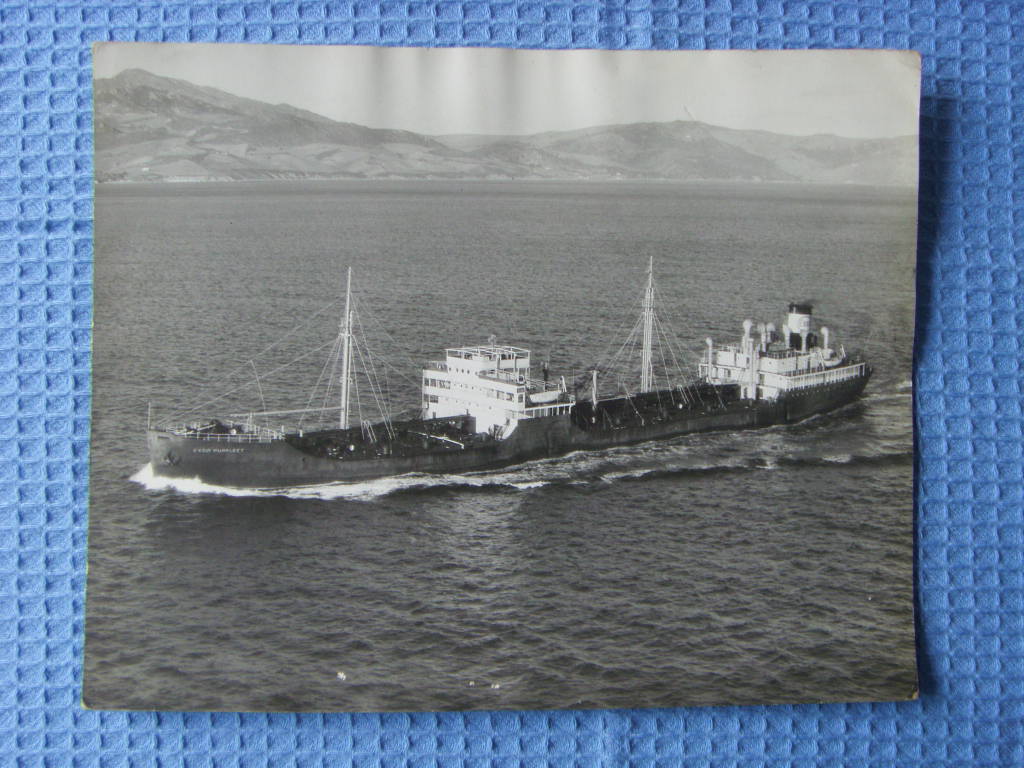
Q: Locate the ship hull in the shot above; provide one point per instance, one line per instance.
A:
(277, 463)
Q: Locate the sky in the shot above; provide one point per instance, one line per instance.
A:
(437, 91)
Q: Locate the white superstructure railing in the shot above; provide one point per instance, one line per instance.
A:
(826, 376)
(257, 435)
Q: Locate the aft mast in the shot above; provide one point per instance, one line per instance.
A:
(646, 362)
(346, 352)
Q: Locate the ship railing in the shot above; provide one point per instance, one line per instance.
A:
(820, 376)
(532, 385)
(781, 354)
(548, 409)
(254, 435)
(817, 375)
(507, 377)
(539, 385)
(435, 366)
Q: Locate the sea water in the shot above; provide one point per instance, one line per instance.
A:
(759, 566)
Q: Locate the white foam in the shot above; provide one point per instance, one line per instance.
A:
(193, 485)
(190, 485)
(365, 490)
(839, 458)
(626, 474)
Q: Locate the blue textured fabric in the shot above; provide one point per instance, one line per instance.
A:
(970, 530)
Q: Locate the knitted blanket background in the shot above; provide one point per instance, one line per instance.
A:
(970, 472)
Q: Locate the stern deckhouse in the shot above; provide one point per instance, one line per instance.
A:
(771, 364)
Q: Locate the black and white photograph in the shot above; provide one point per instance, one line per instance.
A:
(482, 379)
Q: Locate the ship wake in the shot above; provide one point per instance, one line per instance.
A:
(356, 491)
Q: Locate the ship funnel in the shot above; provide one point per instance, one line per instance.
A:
(799, 322)
(747, 325)
(824, 336)
(785, 335)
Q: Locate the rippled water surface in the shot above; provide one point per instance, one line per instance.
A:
(762, 566)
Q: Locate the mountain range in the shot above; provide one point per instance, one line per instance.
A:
(153, 128)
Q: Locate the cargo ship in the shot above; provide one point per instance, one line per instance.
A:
(483, 407)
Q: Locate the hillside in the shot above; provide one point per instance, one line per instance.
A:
(152, 128)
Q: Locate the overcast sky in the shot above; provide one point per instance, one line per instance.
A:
(487, 90)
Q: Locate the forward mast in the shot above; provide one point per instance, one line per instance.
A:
(346, 353)
(646, 362)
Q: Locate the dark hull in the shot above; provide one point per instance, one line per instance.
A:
(275, 464)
